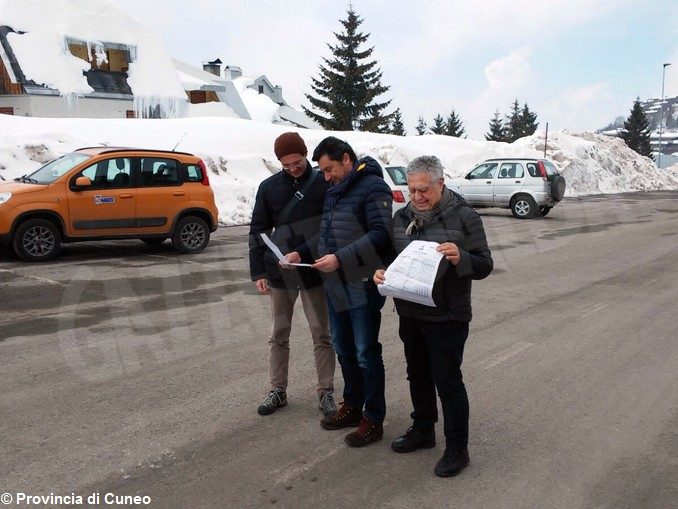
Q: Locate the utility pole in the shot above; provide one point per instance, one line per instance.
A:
(661, 116)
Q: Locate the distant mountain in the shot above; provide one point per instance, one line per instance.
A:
(652, 109)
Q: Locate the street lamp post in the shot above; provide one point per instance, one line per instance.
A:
(661, 118)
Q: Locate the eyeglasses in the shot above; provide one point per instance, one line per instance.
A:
(296, 164)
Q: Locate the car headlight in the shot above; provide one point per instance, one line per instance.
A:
(4, 197)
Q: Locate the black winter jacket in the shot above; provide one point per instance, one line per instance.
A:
(452, 291)
(301, 225)
(356, 224)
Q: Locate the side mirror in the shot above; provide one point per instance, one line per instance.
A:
(82, 182)
(470, 176)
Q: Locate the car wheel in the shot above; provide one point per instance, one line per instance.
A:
(37, 240)
(523, 206)
(191, 235)
(544, 209)
(153, 242)
(558, 188)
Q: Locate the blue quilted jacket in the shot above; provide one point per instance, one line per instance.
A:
(356, 223)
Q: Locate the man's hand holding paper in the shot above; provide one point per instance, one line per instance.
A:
(412, 275)
(284, 262)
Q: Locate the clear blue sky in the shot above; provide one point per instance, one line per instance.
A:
(577, 63)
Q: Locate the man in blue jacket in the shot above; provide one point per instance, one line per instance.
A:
(354, 240)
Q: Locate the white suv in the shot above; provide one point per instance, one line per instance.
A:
(529, 187)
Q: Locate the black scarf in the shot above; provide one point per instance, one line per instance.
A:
(424, 217)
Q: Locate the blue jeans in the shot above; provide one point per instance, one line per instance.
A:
(355, 319)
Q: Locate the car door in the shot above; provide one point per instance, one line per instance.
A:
(478, 185)
(108, 206)
(509, 181)
(162, 194)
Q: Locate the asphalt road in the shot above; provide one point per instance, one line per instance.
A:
(133, 370)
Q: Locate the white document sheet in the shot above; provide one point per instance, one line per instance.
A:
(412, 274)
(278, 254)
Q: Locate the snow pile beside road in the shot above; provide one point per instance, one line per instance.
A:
(240, 152)
(597, 164)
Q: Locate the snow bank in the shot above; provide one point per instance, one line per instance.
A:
(240, 152)
(44, 57)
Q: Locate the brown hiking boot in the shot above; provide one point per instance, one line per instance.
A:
(366, 433)
(346, 416)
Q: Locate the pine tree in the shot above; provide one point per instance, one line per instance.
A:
(496, 129)
(397, 126)
(528, 121)
(513, 127)
(438, 125)
(636, 132)
(421, 127)
(348, 84)
(454, 126)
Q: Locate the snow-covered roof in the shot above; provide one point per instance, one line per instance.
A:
(297, 118)
(190, 83)
(243, 100)
(42, 30)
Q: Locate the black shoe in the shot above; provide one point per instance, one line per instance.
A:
(414, 439)
(277, 398)
(452, 462)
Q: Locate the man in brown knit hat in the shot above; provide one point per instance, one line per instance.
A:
(288, 209)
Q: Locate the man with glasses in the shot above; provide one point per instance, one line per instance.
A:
(288, 209)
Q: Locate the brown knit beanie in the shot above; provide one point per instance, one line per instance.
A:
(289, 143)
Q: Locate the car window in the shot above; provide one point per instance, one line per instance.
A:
(511, 170)
(156, 172)
(550, 168)
(110, 173)
(483, 171)
(193, 173)
(397, 174)
(56, 168)
(533, 169)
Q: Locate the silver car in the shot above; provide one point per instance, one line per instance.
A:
(529, 187)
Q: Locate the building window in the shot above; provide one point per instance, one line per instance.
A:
(202, 96)
(261, 89)
(103, 56)
(197, 96)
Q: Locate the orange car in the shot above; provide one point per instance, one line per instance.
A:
(109, 193)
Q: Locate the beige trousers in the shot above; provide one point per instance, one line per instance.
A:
(315, 309)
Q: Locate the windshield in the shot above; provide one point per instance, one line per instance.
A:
(56, 168)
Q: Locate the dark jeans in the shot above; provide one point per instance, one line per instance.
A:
(434, 352)
(355, 337)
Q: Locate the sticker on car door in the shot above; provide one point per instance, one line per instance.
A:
(100, 200)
